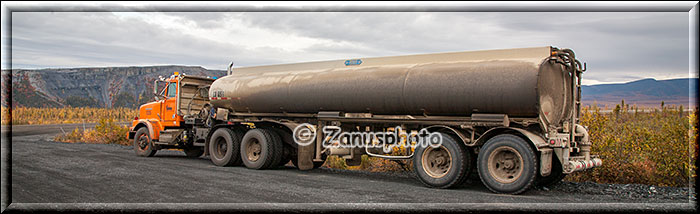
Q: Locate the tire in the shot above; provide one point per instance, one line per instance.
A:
(224, 146)
(193, 152)
(507, 164)
(318, 164)
(143, 145)
(261, 149)
(554, 177)
(287, 151)
(432, 168)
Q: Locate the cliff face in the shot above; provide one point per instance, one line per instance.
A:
(99, 87)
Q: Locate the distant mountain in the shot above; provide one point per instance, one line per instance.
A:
(132, 86)
(644, 92)
(98, 87)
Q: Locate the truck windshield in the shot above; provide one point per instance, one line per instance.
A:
(172, 90)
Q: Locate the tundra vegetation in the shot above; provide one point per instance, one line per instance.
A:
(31, 115)
(644, 146)
(105, 132)
(657, 146)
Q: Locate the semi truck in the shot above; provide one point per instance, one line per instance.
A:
(510, 115)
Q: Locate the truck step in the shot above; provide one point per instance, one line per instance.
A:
(169, 137)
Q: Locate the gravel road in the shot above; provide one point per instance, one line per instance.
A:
(44, 173)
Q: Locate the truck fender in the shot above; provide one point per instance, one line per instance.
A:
(538, 142)
(149, 125)
(461, 134)
(290, 125)
(540, 145)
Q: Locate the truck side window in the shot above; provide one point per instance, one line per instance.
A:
(172, 90)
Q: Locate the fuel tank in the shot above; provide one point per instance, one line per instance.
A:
(517, 82)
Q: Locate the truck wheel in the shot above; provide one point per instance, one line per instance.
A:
(143, 146)
(287, 151)
(261, 149)
(442, 167)
(554, 177)
(193, 152)
(223, 147)
(507, 164)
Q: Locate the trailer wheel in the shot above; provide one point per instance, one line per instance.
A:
(193, 152)
(224, 147)
(261, 149)
(507, 164)
(554, 177)
(444, 166)
(287, 151)
(143, 145)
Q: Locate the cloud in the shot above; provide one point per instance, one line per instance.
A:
(617, 47)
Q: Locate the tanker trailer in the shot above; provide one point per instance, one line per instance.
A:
(509, 115)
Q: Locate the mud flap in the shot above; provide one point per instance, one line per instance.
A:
(545, 161)
(305, 155)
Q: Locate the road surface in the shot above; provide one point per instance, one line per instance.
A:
(44, 172)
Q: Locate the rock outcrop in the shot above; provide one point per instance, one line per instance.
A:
(99, 87)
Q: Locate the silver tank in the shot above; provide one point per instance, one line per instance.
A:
(516, 82)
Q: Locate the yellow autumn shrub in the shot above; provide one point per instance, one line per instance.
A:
(105, 132)
(24, 115)
(644, 147)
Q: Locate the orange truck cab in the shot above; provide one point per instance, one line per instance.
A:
(161, 123)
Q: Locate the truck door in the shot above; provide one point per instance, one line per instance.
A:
(168, 108)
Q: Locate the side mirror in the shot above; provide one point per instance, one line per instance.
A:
(157, 94)
(155, 90)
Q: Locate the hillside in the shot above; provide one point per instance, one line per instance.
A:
(95, 87)
(132, 86)
(644, 92)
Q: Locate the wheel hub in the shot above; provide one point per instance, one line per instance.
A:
(436, 162)
(508, 164)
(253, 150)
(505, 164)
(221, 148)
(143, 142)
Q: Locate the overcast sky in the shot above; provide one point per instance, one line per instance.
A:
(618, 47)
